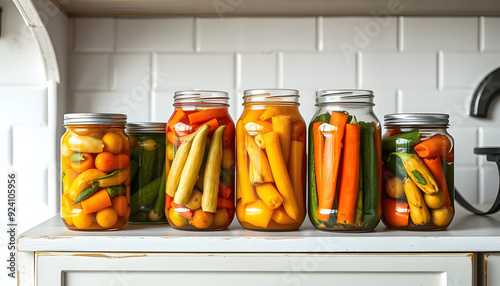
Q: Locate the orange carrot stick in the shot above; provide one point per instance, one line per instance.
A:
(349, 180)
(436, 146)
(319, 145)
(450, 157)
(224, 191)
(168, 201)
(178, 115)
(214, 124)
(223, 203)
(436, 168)
(205, 115)
(330, 164)
(298, 130)
(96, 202)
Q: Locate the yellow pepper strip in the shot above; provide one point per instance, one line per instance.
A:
(280, 216)
(259, 160)
(271, 111)
(259, 141)
(69, 177)
(255, 176)
(280, 173)
(252, 115)
(258, 214)
(268, 193)
(247, 192)
(84, 181)
(85, 144)
(281, 125)
(240, 211)
(295, 169)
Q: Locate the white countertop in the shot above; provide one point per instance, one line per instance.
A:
(467, 233)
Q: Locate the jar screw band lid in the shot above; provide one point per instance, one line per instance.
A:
(146, 127)
(94, 118)
(420, 119)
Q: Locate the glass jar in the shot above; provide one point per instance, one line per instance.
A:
(95, 168)
(271, 140)
(200, 184)
(417, 155)
(344, 162)
(148, 170)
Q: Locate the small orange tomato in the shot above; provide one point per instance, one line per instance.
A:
(202, 219)
(81, 162)
(105, 162)
(113, 142)
(396, 213)
(120, 205)
(122, 161)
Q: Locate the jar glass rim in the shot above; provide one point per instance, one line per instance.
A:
(355, 96)
(201, 97)
(274, 95)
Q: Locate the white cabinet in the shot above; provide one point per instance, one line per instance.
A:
(50, 254)
(77, 269)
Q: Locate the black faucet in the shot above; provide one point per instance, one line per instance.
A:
(484, 94)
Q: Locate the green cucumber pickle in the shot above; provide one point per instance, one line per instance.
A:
(148, 175)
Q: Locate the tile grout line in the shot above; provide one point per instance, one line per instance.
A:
(196, 39)
(319, 34)
(400, 34)
(279, 69)
(115, 35)
(399, 101)
(111, 74)
(481, 34)
(359, 71)
(237, 70)
(440, 72)
(152, 84)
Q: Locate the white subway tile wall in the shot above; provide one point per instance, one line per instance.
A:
(490, 39)
(26, 127)
(417, 64)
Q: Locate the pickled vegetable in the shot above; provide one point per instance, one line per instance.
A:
(344, 172)
(200, 184)
(95, 186)
(271, 168)
(422, 161)
(148, 185)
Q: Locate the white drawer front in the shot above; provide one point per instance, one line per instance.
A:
(75, 269)
(492, 268)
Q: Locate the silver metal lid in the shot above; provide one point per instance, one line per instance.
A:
(94, 118)
(271, 94)
(345, 96)
(146, 127)
(201, 97)
(417, 119)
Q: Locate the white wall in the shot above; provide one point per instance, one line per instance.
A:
(24, 130)
(412, 64)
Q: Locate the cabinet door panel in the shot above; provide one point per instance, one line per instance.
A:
(75, 269)
(492, 268)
